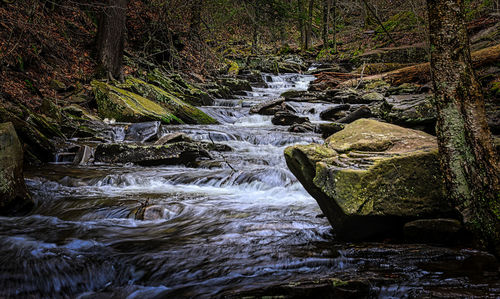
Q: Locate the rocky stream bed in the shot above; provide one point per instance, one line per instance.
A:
(230, 221)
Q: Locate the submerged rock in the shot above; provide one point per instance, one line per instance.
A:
(14, 196)
(170, 154)
(319, 288)
(123, 105)
(372, 177)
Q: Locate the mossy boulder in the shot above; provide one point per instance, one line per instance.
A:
(181, 110)
(371, 177)
(14, 196)
(175, 85)
(123, 105)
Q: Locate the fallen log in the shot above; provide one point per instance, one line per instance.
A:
(420, 73)
(328, 80)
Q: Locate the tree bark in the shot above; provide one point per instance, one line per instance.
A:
(468, 160)
(325, 23)
(111, 38)
(334, 16)
(302, 29)
(309, 25)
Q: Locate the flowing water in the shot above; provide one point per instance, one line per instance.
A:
(239, 222)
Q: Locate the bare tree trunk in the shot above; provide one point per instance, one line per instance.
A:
(111, 37)
(468, 161)
(334, 6)
(309, 25)
(300, 14)
(325, 23)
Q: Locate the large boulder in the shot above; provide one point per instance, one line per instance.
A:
(372, 177)
(123, 105)
(14, 196)
(180, 109)
(169, 154)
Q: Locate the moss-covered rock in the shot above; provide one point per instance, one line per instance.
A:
(123, 105)
(37, 146)
(178, 87)
(14, 196)
(371, 178)
(183, 111)
(235, 85)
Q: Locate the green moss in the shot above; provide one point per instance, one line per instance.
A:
(123, 105)
(402, 21)
(234, 68)
(178, 87)
(185, 112)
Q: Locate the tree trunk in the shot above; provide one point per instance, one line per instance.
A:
(111, 38)
(300, 14)
(468, 161)
(334, 16)
(309, 25)
(325, 23)
(196, 17)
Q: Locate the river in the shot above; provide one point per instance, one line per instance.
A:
(236, 223)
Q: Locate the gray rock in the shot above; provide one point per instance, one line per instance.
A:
(330, 112)
(411, 111)
(361, 112)
(142, 132)
(185, 153)
(173, 137)
(268, 107)
(14, 196)
(302, 128)
(84, 155)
